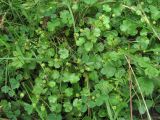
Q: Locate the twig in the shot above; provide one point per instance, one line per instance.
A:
(88, 87)
(2, 20)
(148, 114)
(130, 89)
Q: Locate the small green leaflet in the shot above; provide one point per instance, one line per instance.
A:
(70, 77)
(100, 47)
(146, 85)
(55, 74)
(151, 72)
(53, 116)
(52, 99)
(96, 32)
(5, 89)
(85, 91)
(106, 8)
(3, 41)
(64, 53)
(28, 108)
(56, 107)
(53, 25)
(106, 21)
(52, 84)
(77, 103)
(129, 27)
(66, 17)
(67, 106)
(104, 86)
(88, 46)
(141, 106)
(14, 83)
(68, 92)
(91, 104)
(155, 12)
(108, 70)
(142, 43)
(89, 2)
(102, 113)
(80, 41)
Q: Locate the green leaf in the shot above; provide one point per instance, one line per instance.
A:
(144, 32)
(77, 103)
(129, 27)
(57, 64)
(70, 77)
(74, 78)
(155, 12)
(108, 70)
(91, 104)
(28, 108)
(151, 72)
(157, 109)
(80, 41)
(5, 89)
(141, 106)
(86, 32)
(102, 113)
(64, 53)
(67, 106)
(88, 46)
(53, 116)
(18, 62)
(104, 86)
(85, 91)
(66, 17)
(100, 47)
(14, 83)
(3, 41)
(89, 2)
(38, 88)
(106, 8)
(53, 25)
(114, 99)
(142, 43)
(52, 99)
(50, 52)
(56, 107)
(11, 93)
(106, 21)
(52, 84)
(150, 1)
(146, 85)
(117, 10)
(99, 101)
(55, 74)
(94, 76)
(96, 32)
(84, 109)
(68, 92)
(142, 109)
(120, 73)
(87, 118)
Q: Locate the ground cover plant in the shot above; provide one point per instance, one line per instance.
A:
(80, 59)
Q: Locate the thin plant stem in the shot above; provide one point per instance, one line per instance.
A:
(73, 20)
(148, 114)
